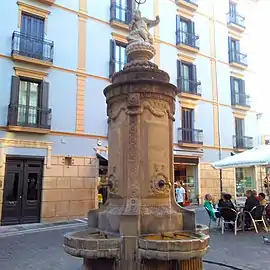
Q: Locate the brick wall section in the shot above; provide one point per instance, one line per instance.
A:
(210, 183)
(69, 191)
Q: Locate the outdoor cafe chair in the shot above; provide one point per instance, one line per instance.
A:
(257, 215)
(210, 219)
(229, 216)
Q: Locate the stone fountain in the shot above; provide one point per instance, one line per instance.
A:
(141, 226)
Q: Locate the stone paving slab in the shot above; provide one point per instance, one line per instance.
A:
(43, 250)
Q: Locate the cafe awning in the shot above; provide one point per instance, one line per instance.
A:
(257, 156)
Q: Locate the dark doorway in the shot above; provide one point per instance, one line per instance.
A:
(22, 191)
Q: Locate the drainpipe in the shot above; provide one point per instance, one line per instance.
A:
(218, 107)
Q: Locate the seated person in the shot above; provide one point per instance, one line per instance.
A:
(221, 199)
(262, 199)
(227, 202)
(214, 213)
(250, 203)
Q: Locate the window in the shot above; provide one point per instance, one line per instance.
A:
(187, 77)
(187, 125)
(235, 54)
(118, 56)
(234, 17)
(239, 133)
(32, 34)
(121, 11)
(29, 103)
(185, 32)
(238, 94)
(232, 9)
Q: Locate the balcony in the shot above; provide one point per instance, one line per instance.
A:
(120, 16)
(48, 2)
(238, 60)
(190, 5)
(23, 118)
(187, 41)
(242, 143)
(240, 101)
(189, 88)
(236, 22)
(188, 137)
(32, 49)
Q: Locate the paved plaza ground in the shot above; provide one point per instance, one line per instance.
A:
(42, 250)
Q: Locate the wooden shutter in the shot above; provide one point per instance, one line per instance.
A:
(112, 56)
(129, 11)
(230, 49)
(179, 76)
(232, 90)
(14, 100)
(193, 78)
(43, 112)
(113, 10)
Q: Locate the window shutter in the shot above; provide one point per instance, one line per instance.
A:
(129, 11)
(194, 80)
(179, 76)
(232, 90)
(112, 55)
(192, 36)
(43, 112)
(15, 86)
(14, 100)
(230, 49)
(113, 10)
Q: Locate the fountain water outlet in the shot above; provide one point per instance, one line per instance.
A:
(140, 226)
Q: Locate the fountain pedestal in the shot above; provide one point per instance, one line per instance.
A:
(141, 226)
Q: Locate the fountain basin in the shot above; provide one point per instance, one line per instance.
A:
(91, 244)
(173, 246)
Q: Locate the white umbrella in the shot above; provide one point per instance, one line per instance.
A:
(257, 156)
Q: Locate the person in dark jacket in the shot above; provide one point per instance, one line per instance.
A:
(227, 202)
(251, 202)
(220, 202)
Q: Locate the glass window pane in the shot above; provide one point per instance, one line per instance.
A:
(32, 188)
(12, 188)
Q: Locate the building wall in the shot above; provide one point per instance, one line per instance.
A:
(81, 33)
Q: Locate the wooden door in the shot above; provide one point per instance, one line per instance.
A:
(22, 192)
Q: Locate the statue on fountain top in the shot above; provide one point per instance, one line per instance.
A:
(139, 28)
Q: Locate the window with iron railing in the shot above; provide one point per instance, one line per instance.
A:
(235, 54)
(121, 11)
(187, 78)
(234, 17)
(29, 104)
(238, 93)
(185, 33)
(118, 57)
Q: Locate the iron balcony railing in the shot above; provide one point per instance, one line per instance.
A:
(236, 18)
(189, 86)
(120, 13)
(33, 47)
(237, 57)
(29, 116)
(190, 135)
(242, 142)
(188, 39)
(240, 99)
(116, 66)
